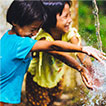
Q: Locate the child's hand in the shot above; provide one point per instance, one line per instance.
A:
(95, 53)
(96, 82)
(86, 77)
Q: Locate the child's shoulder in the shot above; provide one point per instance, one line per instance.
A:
(42, 34)
(73, 32)
(5, 33)
(14, 38)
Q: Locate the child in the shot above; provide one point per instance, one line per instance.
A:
(44, 79)
(26, 17)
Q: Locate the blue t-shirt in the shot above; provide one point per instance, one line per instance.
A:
(14, 59)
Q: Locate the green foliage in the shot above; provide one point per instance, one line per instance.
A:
(87, 23)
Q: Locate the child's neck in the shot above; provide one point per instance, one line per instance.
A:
(12, 31)
(56, 34)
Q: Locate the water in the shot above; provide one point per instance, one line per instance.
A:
(97, 95)
(100, 73)
(97, 24)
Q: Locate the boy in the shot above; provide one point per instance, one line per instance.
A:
(26, 17)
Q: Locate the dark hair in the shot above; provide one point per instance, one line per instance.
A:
(24, 12)
(52, 8)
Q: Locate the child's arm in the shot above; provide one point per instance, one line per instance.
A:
(70, 61)
(67, 47)
(84, 59)
(43, 45)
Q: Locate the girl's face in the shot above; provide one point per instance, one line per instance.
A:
(28, 31)
(64, 20)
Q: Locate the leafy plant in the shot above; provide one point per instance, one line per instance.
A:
(87, 23)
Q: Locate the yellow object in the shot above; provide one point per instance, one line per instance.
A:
(46, 69)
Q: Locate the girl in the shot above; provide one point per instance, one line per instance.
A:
(44, 79)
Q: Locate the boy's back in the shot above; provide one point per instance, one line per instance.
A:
(14, 49)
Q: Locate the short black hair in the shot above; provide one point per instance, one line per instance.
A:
(24, 12)
(52, 8)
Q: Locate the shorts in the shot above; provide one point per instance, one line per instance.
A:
(40, 96)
